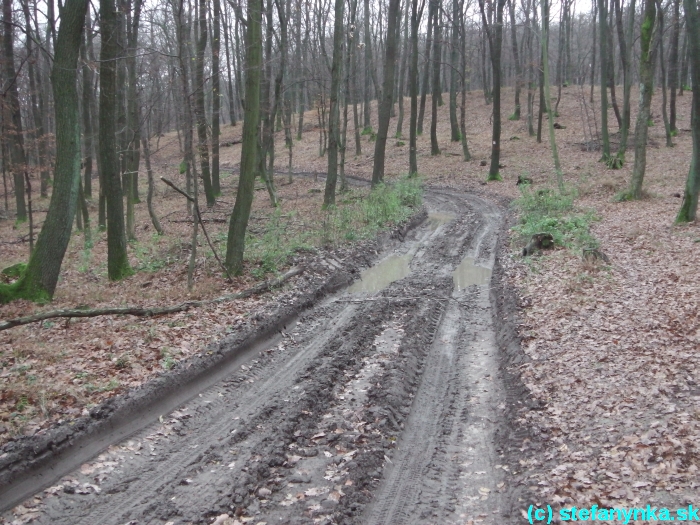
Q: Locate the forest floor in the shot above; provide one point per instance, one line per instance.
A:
(610, 351)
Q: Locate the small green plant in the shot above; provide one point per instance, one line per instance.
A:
(147, 255)
(514, 117)
(272, 249)
(367, 131)
(167, 361)
(674, 132)
(22, 404)
(122, 362)
(85, 258)
(549, 211)
(650, 122)
(400, 143)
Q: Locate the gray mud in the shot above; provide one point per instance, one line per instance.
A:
(390, 404)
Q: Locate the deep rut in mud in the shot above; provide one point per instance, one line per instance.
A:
(380, 405)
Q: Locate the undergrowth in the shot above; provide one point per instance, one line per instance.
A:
(546, 210)
(356, 216)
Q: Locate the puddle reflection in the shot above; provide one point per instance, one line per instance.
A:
(467, 273)
(436, 219)
(378, 277)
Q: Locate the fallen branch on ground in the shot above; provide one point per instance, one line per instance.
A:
(150, 312)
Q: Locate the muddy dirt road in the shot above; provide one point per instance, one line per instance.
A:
(380, 405)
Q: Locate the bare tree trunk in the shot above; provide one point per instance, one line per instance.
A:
(370, 72)
(416, 15)
(463, 109)
(593, 54)
(547, 98)
(133, 124)
(426, 69)
(216, 99)
(151, 186)
(229, 83)
(673, 61)
(117, 260)
(387, 93)
(664, 94)
(41, 276)
(516, 58)
(494, 32)
(249, 152)
(402, 72)
(88, 94)
(200, 111)
(334, 118)
(18, 164)
(36, 97)
(646, 81)
(437, 7)
(626, 42)
(454, 70)
(689, 207)
(604, 70)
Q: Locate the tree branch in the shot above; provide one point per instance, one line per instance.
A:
(151, 312)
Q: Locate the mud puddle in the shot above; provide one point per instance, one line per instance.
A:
(396, 267)
(373, 408)
(437, 219)
(468, 274)
(381, 275)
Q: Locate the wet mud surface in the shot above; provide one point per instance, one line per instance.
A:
(385, 402)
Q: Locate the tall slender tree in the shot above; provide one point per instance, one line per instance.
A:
(200, 111)
(18, 159)
(387, 94)
(436, 64)
(117, 259)
(516, 59)
(673, 61)
(604, 73)
(646, 90)
(426, 69)
(41, 275)
(689, 207)
(494, 33)
(251, 131)
(547, 98)
(454, 70)
(36, 100)
(216, 98)
(626, 39)
(334, 140)
(416, 15)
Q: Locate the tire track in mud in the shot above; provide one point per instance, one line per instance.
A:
(443, 471)
(374, 408)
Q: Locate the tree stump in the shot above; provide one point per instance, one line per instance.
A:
(539, 241)
(591, 255)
